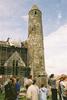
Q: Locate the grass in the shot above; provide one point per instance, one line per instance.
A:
(2, 97)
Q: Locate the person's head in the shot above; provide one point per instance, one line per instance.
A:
(17, 79)
(34, 81)
(30, 77)
(27, 86)
(61, 78)
(42, 85)
(65, 78)
(52, 75)
(13, 80)
(10, 80)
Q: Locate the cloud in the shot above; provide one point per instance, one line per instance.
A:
(59, 15)
(13, 34)
(11, 7)
(5, 8)
(56, 51)
(25, 18)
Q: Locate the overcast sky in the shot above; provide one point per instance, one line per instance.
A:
(14, 24)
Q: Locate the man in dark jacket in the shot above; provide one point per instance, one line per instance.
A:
(10, 90)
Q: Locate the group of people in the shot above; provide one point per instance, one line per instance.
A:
(34, 92)
(59, 93)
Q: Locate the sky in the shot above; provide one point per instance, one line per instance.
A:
(14, 24)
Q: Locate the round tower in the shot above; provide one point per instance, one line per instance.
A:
(35, 45)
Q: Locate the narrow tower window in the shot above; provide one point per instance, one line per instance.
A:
(35, 12)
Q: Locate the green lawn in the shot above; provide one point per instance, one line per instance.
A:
(2, 97)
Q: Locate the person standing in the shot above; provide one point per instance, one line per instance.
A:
(64, 88)
(17, 87)
(52, 83)
(10, 90)
(60, 87)
(33, 91)
(28, 81)
(43, 92)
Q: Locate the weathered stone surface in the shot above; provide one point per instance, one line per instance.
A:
(35, 45)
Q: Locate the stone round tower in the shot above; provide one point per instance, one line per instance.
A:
(35, 45)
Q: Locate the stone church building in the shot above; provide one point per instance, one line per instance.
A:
(29, 57)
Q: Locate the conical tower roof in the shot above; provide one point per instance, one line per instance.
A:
(34, 7)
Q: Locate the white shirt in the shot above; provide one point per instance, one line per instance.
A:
(64, 88)
(43, 93)
(33, 92)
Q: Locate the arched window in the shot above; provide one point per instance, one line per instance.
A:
(16, 62)
(13, 62)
